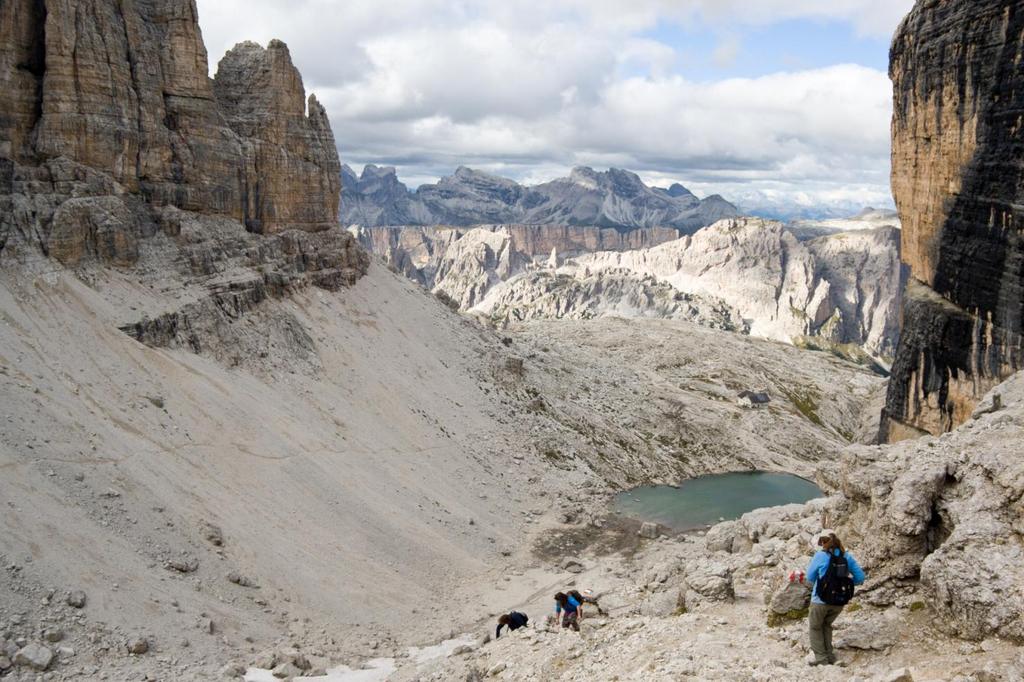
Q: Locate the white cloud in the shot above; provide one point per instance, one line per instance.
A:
(529, 89)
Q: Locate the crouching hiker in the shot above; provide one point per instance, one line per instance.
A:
(833, 572)
(512, 620)
(569, 608)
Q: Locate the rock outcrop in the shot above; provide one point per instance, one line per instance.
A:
(959, 183)
(945, 511)
(612, 199)
(110, 106)
(418, 252)
(842, 288)
(572, 294)
(838, 292)
(292, 174)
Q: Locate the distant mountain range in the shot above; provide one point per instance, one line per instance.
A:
(614, 198)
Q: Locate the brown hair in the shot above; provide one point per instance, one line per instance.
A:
(830, 542)
(503, 620)
(562, 600)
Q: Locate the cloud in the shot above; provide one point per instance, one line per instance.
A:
(529, 89)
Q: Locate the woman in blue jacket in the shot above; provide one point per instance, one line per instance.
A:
(822, 615)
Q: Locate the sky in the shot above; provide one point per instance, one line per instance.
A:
(764, 101)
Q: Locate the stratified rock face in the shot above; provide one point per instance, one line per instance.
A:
(115, 151)
(587, 198)
(418, 251)
(959, 185)
(292, 173)
(125, 91)
(22, 65)
(122, 89)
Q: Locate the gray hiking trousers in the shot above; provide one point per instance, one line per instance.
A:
(820, 621)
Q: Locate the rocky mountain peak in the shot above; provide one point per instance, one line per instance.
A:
(588, 198)
(584, 176)
(677, 190)
(373, 172)
(257, 86)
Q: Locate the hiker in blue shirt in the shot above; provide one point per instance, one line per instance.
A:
(569, 608)
(830, 592)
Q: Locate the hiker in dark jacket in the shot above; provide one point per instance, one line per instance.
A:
(513, 620)
(822, 615)
(569, 608)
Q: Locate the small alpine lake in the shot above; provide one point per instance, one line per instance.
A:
(704, 501)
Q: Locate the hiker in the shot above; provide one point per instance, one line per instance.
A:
(513, 620)
(832, 573)
(586, 598)
(569, 608)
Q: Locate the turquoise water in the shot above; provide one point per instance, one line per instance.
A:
(704, 501)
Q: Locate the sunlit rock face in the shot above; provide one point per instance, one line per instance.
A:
(958, 180)
(109, 115)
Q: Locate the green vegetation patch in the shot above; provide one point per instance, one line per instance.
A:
(778, 619)
(806, 403)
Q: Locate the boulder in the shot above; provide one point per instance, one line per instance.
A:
(183, 564)
(241, 580)
(709, 580)
(35, 656)
(649, 530)
(868, 634)
(232, 671)
(790, 602)
(286, 671)
(137, 645)
(722, 537)
(213, 534)
(76, 599)
(663, 604)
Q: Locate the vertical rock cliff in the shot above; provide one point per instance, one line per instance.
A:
(292, 174)
(958, 178)
(112, 101)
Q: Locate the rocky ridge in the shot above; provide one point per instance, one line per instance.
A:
(747, 274)
(612, 199)
(957, 145)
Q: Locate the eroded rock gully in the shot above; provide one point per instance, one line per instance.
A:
(958, 182)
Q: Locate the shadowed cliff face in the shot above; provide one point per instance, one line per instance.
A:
(958, 145)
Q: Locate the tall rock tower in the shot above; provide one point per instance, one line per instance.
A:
(111, 101)
(957, 68)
